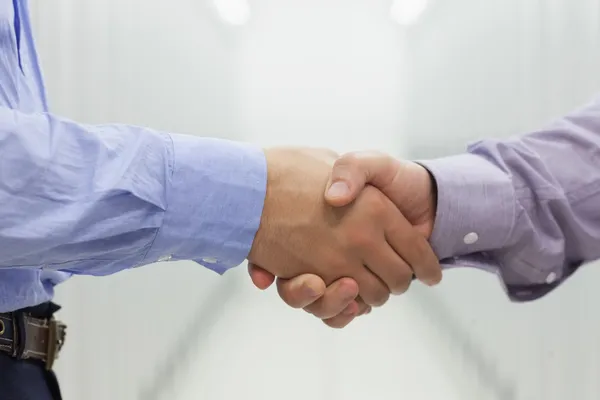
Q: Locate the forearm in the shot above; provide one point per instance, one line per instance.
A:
(528, 207)
(99, 199)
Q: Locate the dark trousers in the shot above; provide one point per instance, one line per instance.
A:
(28, 379)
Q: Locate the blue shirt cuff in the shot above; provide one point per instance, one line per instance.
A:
(215, 201)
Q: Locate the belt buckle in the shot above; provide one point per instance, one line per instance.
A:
(56, 338)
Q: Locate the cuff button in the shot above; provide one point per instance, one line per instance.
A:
(471, 238)
(551, 277)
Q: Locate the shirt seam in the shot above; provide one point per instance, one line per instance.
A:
(45, 266)
(514, 215)
(171, 166)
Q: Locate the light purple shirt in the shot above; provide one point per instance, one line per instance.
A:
(527, 208)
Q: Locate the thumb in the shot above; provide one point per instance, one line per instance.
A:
(352, 171)
(261, 278)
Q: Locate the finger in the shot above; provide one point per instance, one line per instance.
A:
(372, 289)
(353, 171)
(343, 319)
(261, 278)
(337, 297)
(390, 267)
(301, 291)
(339, 322)
(363, 308)
(349, 314)
(354, 309)
(414, 249)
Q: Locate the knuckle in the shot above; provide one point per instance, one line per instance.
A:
(330, 153)
(345, 165)
(376, 205)
(288, 296)
(402, 288)
(320, 310)
(348, 158)
(337, 297)
(360, 238)
(402, 280)
(338, 265)
(420, 245)
(300, 292)
(349, 166)
(314, 309)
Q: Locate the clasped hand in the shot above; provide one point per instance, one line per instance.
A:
(342, 234)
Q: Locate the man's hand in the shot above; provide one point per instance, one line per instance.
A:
(408, 185)
(369, 240)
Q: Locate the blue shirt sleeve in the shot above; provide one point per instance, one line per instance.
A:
(97, 199)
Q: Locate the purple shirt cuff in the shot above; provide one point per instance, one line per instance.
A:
(476, 205)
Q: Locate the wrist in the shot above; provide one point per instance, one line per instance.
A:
(434, 194)
(295, 183)
(259, 238)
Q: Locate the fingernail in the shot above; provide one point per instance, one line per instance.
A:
(338, 189)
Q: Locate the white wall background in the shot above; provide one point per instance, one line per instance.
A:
(339, 74)
(498, 68)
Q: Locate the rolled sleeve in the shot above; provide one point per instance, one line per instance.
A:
(476, 205)
(215, 202)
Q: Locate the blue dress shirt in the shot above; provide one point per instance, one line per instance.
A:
(97, 199)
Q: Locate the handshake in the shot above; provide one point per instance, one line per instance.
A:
(342, 234)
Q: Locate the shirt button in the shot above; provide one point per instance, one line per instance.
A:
(210, 260)
(165, 258)
(471, 238)
(551, 277)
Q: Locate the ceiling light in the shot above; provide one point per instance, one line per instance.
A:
(234, 12)
(407, 12)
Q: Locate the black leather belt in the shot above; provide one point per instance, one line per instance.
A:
(24, 337)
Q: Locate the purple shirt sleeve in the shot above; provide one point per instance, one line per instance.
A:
(526, 208)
